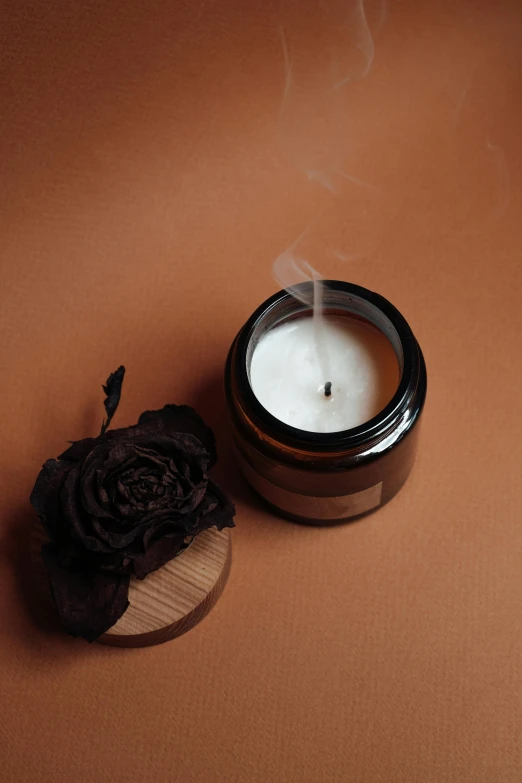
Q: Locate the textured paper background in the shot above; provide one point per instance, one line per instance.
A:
(144, 198)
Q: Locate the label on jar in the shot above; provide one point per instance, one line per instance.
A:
(311, 506)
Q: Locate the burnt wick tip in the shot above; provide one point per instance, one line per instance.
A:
(327, 388)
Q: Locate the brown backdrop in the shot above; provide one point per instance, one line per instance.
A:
(145, 194)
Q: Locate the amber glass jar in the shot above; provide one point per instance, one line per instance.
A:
(325, 478)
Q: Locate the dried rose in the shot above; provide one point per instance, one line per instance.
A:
(124, 504)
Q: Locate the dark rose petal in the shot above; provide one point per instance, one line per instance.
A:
(88, 602)
(80, 524)
(176, 445)
(173, 419)
(79, 450)
(92, 481)
(108, 562)
(45, 497)
(115, 540)
(216, 511)
(158, 553)
(101, 493)
(193, 500)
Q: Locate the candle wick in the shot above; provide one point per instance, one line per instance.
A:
(327, 388)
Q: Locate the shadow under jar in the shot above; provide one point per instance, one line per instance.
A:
(326, 478)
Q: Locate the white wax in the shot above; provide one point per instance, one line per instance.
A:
(286, 375)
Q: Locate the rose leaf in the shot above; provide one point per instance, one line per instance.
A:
(112, 390)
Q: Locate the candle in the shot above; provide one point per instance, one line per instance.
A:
(289, 364)
(352, 386)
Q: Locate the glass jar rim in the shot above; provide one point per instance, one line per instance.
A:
(359, 302)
